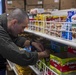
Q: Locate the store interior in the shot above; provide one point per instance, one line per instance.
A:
(52, 23)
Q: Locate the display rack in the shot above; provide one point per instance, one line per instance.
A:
(12, 66)
(32, 29)
(34, 68)
(45, 69)
(47, 25)
(66, 42)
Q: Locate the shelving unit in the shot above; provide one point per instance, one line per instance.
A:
(45, 68)
(66, 42)
(12, 66)
(36, 70)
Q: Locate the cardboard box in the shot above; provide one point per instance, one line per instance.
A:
(49, 2)
(15, 4)
(9, 10)
(32, 2)
(64, 61)
(51, 6)
(67, 4)
(32, 7)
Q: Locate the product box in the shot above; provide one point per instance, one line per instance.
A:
(32, 2)
(64, 61)
(48, 72)
(62, 73)
(66, 29)
(72, 50)
(67, 26)
(58, 47)
(70, 13)
(15, 4)
(67, 4)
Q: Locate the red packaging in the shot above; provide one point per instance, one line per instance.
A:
(63, 68)
(72, 50)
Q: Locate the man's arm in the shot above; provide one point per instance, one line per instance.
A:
(10, 51)
(19, 41)
(23, 42)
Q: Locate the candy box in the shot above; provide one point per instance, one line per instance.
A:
(64, 61)
(56, 71)
(72, 50)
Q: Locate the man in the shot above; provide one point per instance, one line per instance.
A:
(10, 27)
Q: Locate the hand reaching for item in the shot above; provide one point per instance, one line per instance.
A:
(43, 54)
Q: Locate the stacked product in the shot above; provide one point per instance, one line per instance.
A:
(72, 50)
(63, 63)
(45, 23)
(68, 27)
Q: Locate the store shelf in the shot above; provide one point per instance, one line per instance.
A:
(35, 70)
(15, 70)
(44, 69)
(57, 39)
(12, 66)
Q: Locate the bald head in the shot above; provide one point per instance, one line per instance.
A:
(18, 14)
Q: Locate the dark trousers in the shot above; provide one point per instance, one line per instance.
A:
(3, 72)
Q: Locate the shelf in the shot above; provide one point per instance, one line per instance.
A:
(71, 43)
(12, 66)
(45, 70)
(36, 70)
(15, 70)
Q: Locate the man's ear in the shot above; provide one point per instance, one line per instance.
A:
(14, 21)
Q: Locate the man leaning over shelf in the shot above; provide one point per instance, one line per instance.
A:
(10, 27)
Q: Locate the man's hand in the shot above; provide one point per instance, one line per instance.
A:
(38, 46)
(43, 54)
(27, 43)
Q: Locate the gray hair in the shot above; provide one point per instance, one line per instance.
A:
(18, 14)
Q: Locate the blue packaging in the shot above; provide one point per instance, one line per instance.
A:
(58, 47)
(70, 14)
(28, 49)
(67, 27)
